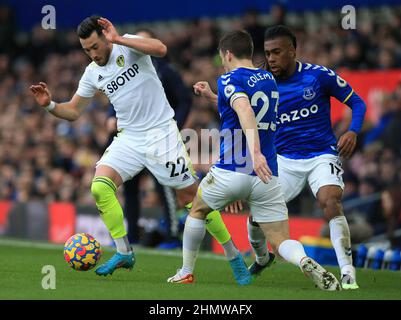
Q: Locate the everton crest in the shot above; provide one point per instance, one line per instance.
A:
(309, 94)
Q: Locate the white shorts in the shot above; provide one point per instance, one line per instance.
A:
(160, 150)
(320, 171)
(266, 201)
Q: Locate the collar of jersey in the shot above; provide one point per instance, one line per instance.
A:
(243, 68)
(299, 65)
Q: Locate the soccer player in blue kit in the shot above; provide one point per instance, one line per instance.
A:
(307, 149)
(306, 146)
(247, 167)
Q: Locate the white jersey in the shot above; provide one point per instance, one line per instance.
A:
(130, 81)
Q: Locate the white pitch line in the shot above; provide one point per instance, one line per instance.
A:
(151, 252)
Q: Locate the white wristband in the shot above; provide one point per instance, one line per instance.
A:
(50, 106)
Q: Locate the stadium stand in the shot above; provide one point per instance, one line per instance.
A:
(43, 158)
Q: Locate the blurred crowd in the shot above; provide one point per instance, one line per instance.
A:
(51, 159)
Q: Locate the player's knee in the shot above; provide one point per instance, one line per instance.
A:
(186, 195)
(96, 190)
(183, 200)
(101, 190)
(198, 214)
(332, 207)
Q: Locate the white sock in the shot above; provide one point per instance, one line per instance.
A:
(341, 240)
(257, 240)
(122, 245)
(292, 251)
(194, 232)
(350, 270)
(230, 250)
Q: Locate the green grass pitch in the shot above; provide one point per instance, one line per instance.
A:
(22, 262)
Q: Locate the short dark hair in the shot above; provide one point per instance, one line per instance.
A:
(238, 42)
(88, 25)
(280, 31)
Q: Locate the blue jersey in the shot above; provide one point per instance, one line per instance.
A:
(260, 88)
(304, 126)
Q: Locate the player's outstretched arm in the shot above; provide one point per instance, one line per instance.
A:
(347, 142)
(68, 110)
(152, 47)
(337, 87)
(202, 88)
(247, 120)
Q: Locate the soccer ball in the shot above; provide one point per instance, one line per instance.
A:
(82, 251)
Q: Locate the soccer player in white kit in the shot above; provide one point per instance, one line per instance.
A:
(148, 136)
